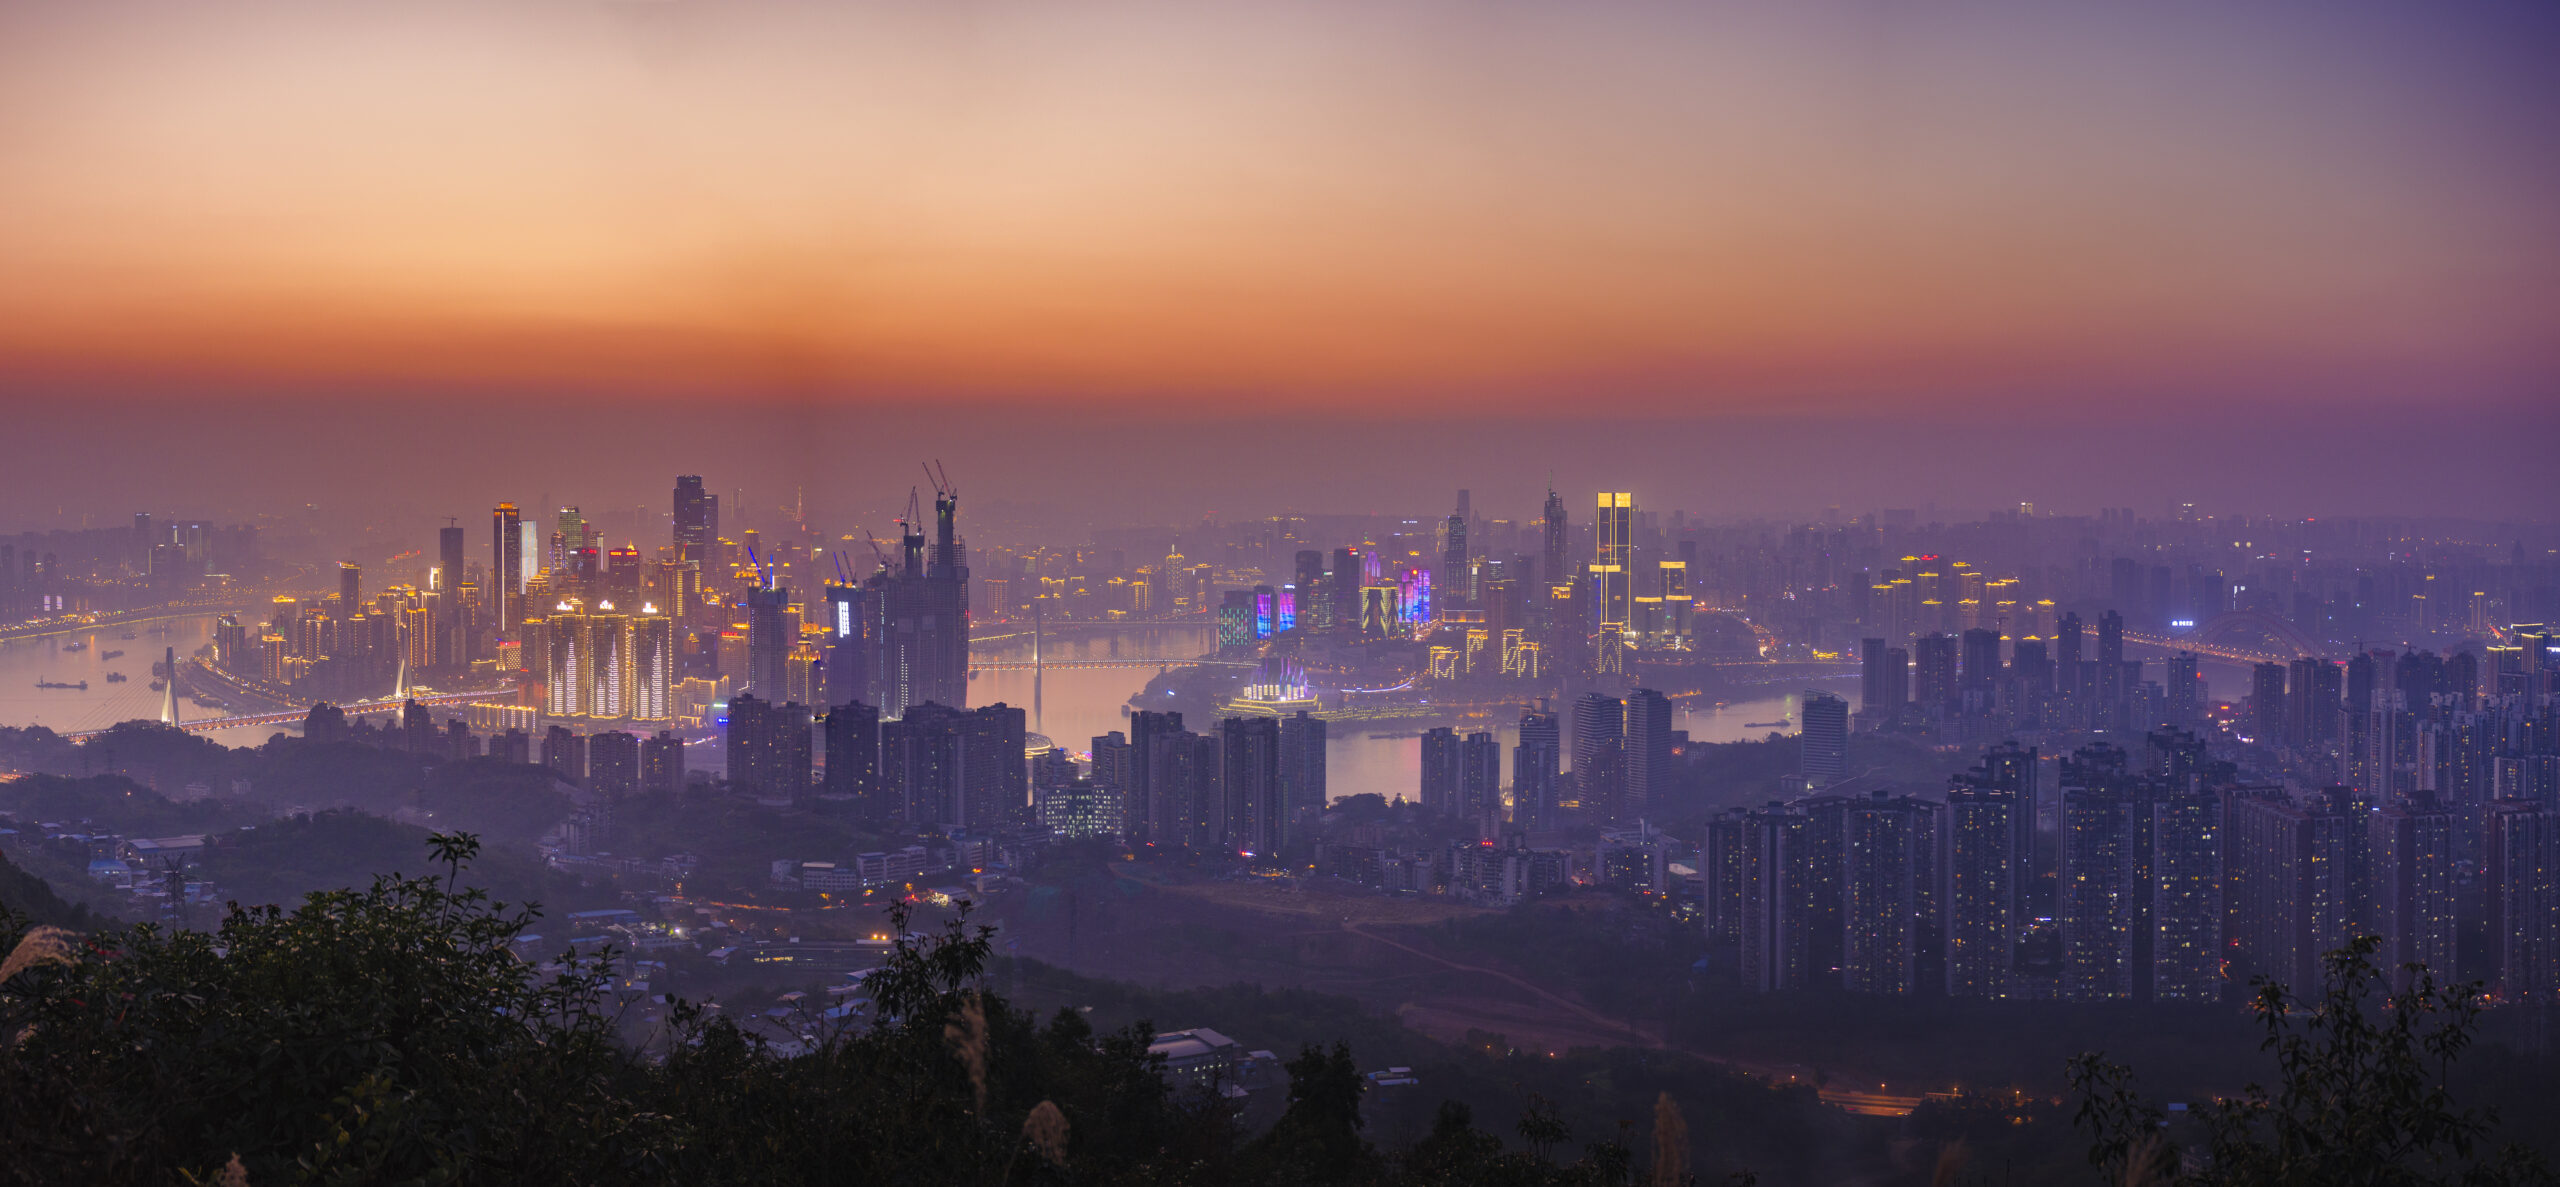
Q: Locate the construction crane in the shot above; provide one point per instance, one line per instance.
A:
(877, 550)
(941, 480)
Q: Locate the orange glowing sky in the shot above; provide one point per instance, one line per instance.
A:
(1449, 205)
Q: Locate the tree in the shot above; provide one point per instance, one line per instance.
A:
(2361, 1098)
(1318, 1139)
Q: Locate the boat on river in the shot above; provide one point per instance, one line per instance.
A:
(82, 685)
(117, 677)
(110, 655)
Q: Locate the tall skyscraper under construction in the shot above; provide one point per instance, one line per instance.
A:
(920, 617)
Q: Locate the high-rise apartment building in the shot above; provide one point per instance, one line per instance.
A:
(768, 748)
(1537, 764)
(1599, 755)
(1251, 807)
(1889, 894)
(2521, 844)
(614, 676)
(1302, 779)
(613, 763)
(1824, 738)
(2186, 896)
(653, 665)
(1981, 867)
(662, 763)
(569, 663)
(2415, 890)
(1440, 771)
(852, 733)
(1647, 747)
(1480, 784)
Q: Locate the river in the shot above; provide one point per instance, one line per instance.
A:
(72, 710)
(1078, 704)
(1073, 704)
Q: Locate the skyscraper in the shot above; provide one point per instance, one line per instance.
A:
(696, 519)
(995, 772)
(1302, 779)
(1537, 764)
(1599, 755)
(2097, 869)
(614, 677)
(350, 588)
(449, 567)
(1934, 666)
(1981, 865)
(1613, 560)
(1146, 807)
(769, 640)
(568, 662)
(920, 764)
(1251, 807)
(920, 619)
(852, 732)
(1450, 586)
(1480, 784)
(2271, 714)
(1648, 753)
(848, 645)
(2186, 690)
(1825, 739)
(2415, 894)
(1888, 893)
(1440, 771)
(1884, 681)
(2186, 896)
(653, 665)
(2521, 846)
(1552, 563)
(507, 562)
(1981, 667)
(768, 748)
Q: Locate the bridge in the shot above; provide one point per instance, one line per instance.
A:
(293, 716)
(1024, 628)
(1064, 665)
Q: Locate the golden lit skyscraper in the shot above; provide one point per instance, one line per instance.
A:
(653, 665)
(1613, 557)
(567, 666)
(613, 677)
(506, 563)
(419, 624)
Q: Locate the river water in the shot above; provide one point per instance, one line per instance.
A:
(1074, 704)
(24, 662)
(1078, 704)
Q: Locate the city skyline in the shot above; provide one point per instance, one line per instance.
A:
(1799, 593)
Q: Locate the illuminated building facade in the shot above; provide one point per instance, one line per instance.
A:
(1613, 559)
(653, 665)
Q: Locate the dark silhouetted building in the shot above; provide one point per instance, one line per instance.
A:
(1825, 739)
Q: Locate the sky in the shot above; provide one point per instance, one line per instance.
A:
(1789, 255)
